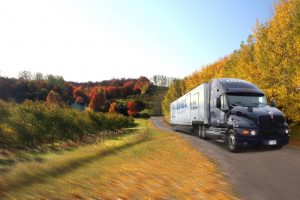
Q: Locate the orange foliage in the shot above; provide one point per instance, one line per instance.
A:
(78, 91)
(131, 106)
(98, 100)
(113, 107)
(141, 85)
(69, 92)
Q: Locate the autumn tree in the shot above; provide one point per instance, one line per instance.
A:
(277, 55)
(98, 100)
(142, 85)
(113, 108)
(36, 86)
(131, 106)
(79, 95)
(206, 73)
(53, 98)
(176, 89)
(145, 88)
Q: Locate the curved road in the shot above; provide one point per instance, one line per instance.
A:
(259, 174)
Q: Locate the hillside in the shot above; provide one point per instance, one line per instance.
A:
(98, 96)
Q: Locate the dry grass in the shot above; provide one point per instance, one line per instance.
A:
(144, 164)
(295, 135)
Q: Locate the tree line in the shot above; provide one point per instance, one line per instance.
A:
(98, 96)
(270, 59)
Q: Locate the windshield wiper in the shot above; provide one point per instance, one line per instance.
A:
(238, 103)
(257, 104)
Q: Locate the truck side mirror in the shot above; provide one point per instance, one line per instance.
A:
(273, 103)
(218, 102)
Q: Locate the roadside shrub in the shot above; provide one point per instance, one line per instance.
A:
(3, 111)
(34, 123)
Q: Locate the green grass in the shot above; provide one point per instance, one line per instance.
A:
(142, 162)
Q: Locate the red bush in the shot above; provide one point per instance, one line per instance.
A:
(131, 106)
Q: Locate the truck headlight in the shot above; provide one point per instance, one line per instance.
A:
(253, 133)
(287, 131)
(245, 132)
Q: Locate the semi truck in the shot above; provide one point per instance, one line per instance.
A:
(231, 110)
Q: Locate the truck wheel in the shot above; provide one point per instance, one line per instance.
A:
(232, 144)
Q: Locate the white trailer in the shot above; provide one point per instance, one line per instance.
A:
(191, 109)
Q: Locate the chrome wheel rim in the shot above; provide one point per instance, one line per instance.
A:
(232, 141)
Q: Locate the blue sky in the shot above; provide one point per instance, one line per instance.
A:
(92, 40)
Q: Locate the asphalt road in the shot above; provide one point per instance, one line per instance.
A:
(256, 174)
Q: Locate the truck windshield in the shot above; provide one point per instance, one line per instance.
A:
(246, 100)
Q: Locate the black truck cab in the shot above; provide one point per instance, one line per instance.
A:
(239, 112)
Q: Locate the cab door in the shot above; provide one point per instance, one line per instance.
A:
(214, 111)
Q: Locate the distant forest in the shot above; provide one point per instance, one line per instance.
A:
(126, 96)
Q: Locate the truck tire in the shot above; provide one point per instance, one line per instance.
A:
(232, 144)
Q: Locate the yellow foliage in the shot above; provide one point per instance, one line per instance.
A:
(176, 89)
(206, 73)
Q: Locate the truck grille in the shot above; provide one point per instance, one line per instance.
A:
(266, 122)
(271, 127)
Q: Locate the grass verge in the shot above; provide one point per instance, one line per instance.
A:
(295, 135)
(143, 163)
